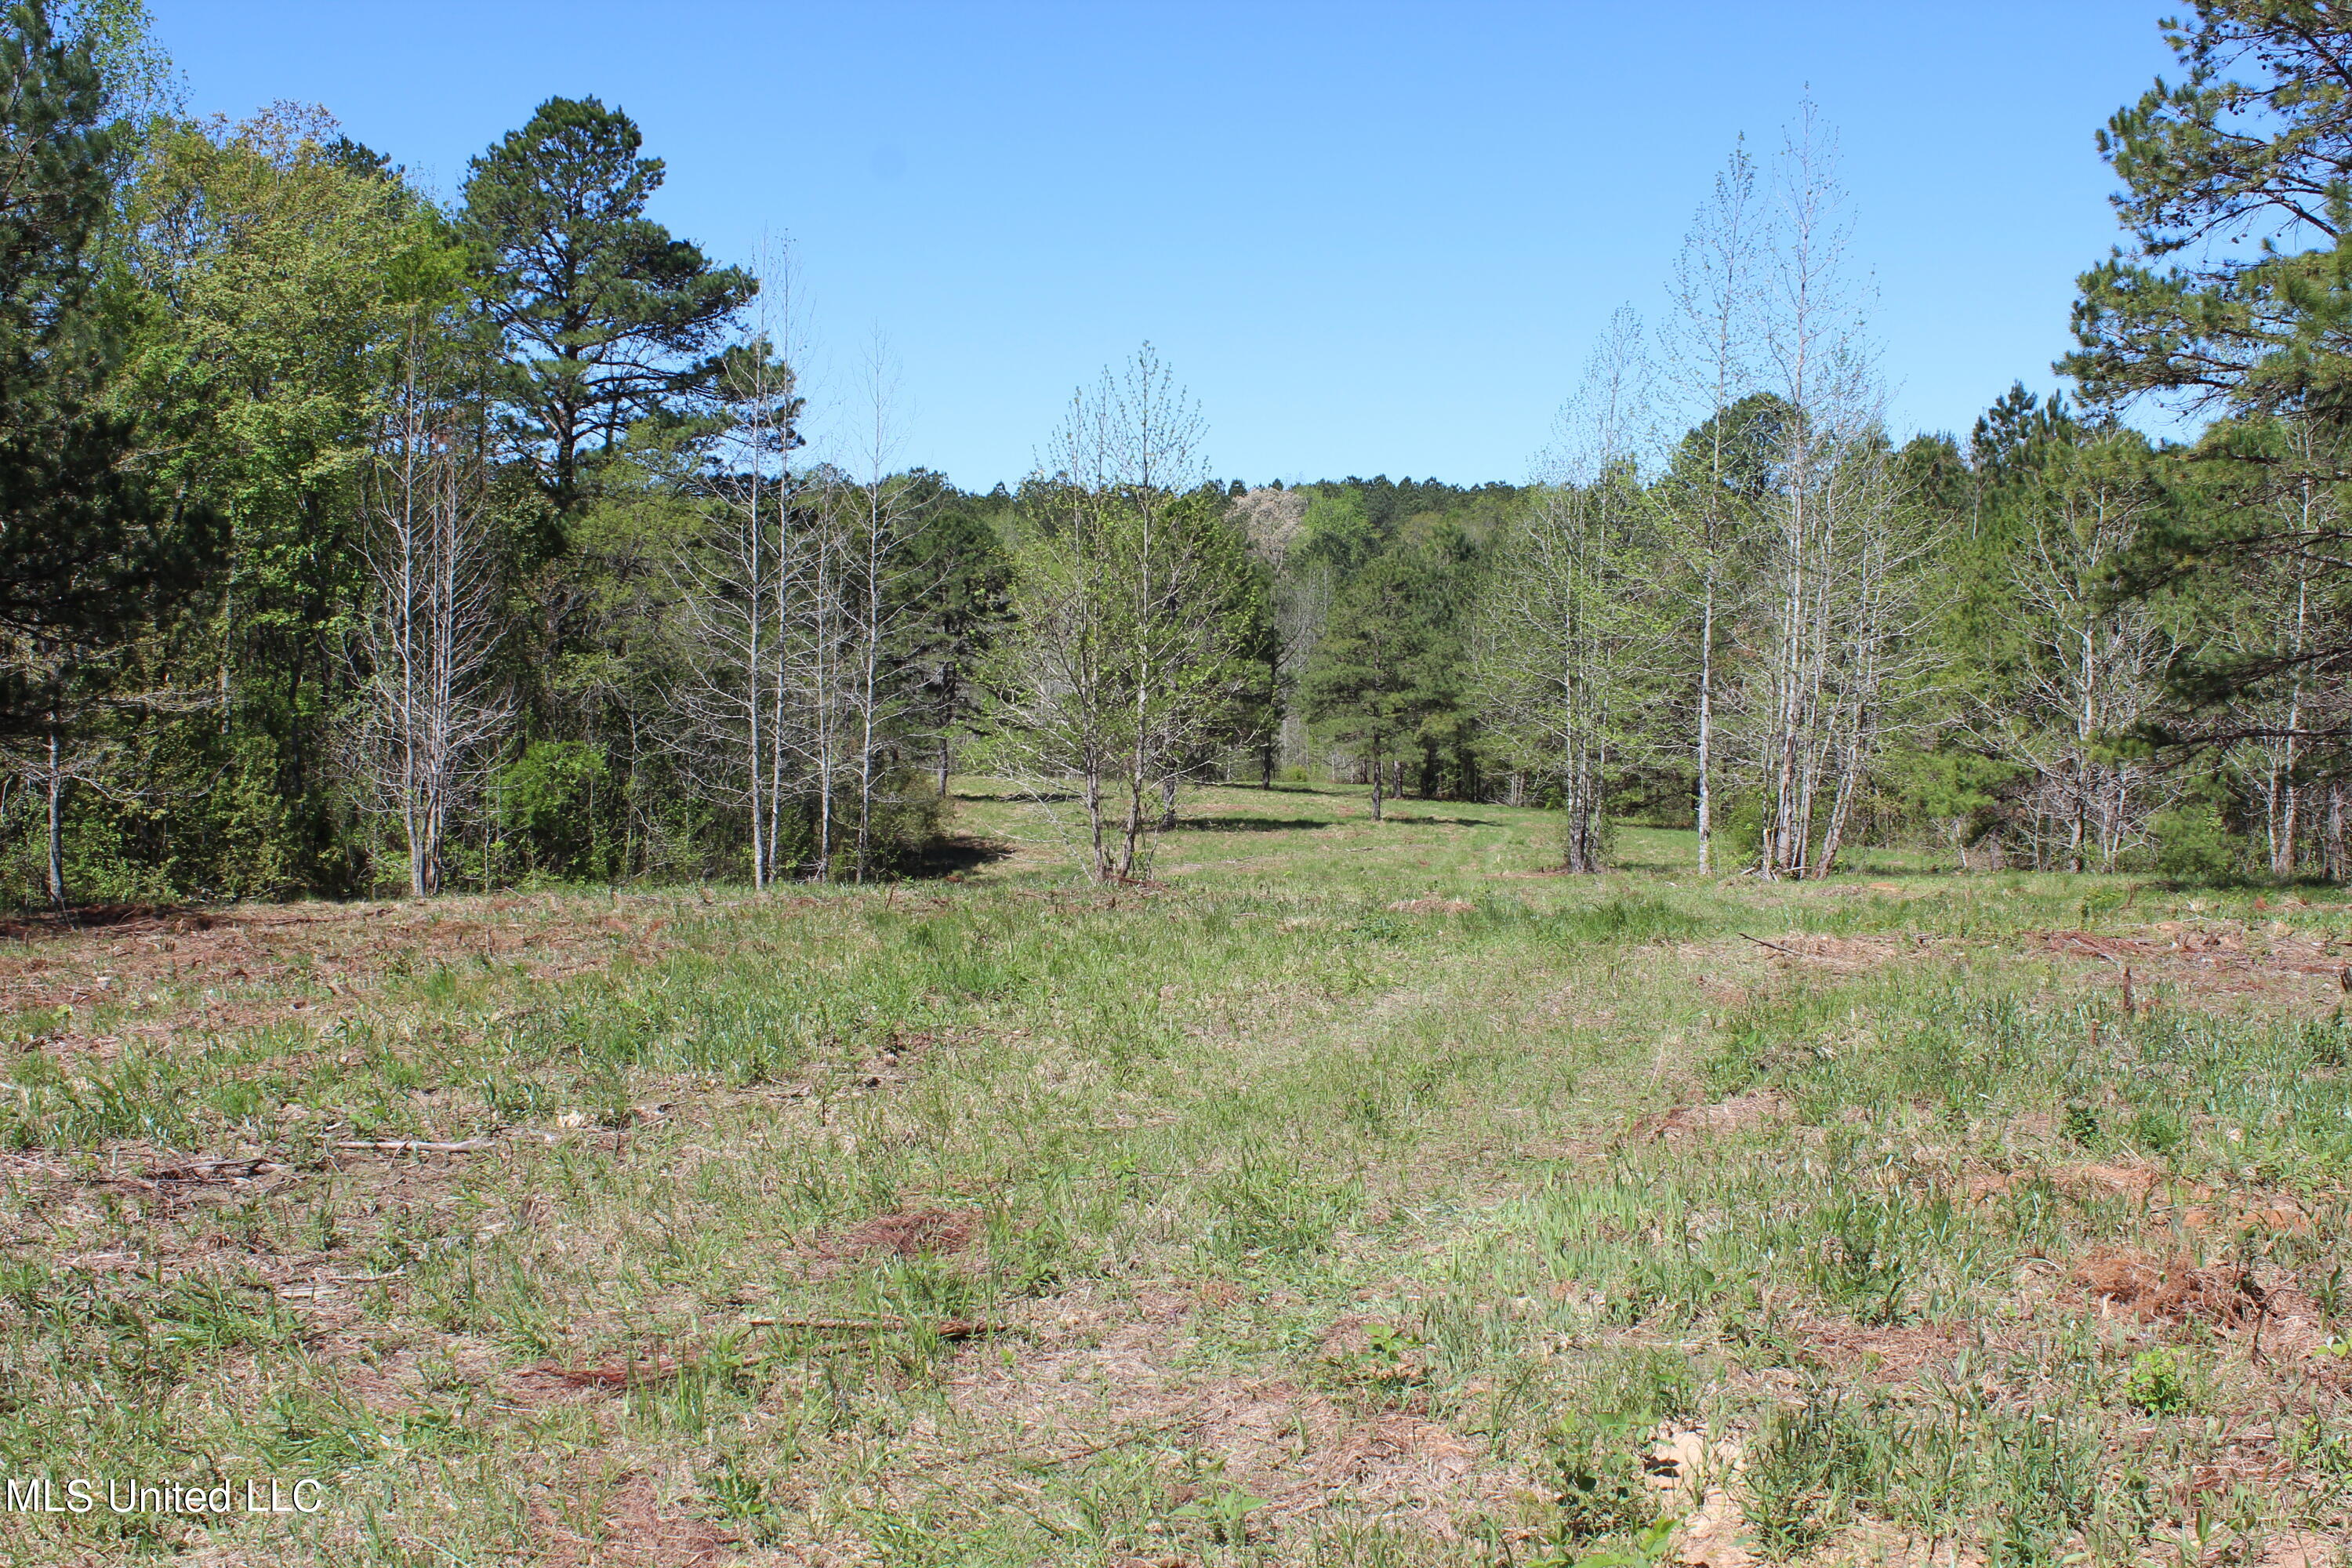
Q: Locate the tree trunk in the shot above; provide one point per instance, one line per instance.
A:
(2078, 818)
(2336, 846)
(867, 698)
(1841, 809)
(1095, 820)
(2289, 825)
(1131, 825)
(1706, 731)
(57, 793)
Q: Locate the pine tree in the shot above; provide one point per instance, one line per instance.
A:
(607, 319)
(69, 514)
(1367, 682)
(79, 550)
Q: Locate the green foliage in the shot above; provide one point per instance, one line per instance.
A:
(608, 320)
(1602, 1488)
(545, 805)
(2194, 845)
(2113, 654)
(1383, 672)
(2154, 1383)
(1137, 647)
(2254, 140)
(81, 543)
(1222, 1515)
(1599, 1450)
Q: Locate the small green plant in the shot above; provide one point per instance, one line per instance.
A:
(1640, 1549)
(1390, 1359)
(1224, 1513)
(744, 1499)
(2155, 1130)
(2079, 1123)
(2329, 1293)
(1863, 1260)
(2154, 1383)
(1603, 1489)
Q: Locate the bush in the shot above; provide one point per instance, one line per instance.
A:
(2194, 845)
(544, 802)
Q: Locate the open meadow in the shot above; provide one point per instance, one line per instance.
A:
(1348, 1193)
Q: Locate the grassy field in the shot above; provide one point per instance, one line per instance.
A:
(1350, 1193)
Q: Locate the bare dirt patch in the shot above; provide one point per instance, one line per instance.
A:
(2175, 1290)
(1846, 954)
(2211, 960)
(1749, 1113)
(2135, 1182)
(1098, 1375)
(912, 1233)
(637, 1528)
(248, 964)
(1896, 1353)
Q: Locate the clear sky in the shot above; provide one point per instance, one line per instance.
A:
(1371, 239)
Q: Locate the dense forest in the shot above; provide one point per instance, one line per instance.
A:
(358, 537)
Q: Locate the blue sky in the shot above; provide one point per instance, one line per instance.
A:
(1371, 239)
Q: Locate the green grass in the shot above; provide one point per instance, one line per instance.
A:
(1347, 1193)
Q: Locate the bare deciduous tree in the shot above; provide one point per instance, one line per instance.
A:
(1272, 520)
(1124, 646)
(882, 515)
(429, 708)
(1838, 552)
(1712, 339)
(741, 584)
(2092, 663)
(1557, 639)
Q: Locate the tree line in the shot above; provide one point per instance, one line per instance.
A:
(353, 538)
(1733, 601)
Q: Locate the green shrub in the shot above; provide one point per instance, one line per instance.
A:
(544, 802)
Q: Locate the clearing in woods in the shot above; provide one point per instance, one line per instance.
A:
(1348, 1193)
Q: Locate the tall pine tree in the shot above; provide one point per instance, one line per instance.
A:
(607, 319)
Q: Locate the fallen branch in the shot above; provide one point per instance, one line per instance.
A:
(946, 1328)
(1776, 947)
(417, 1146)
(215, 1170)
